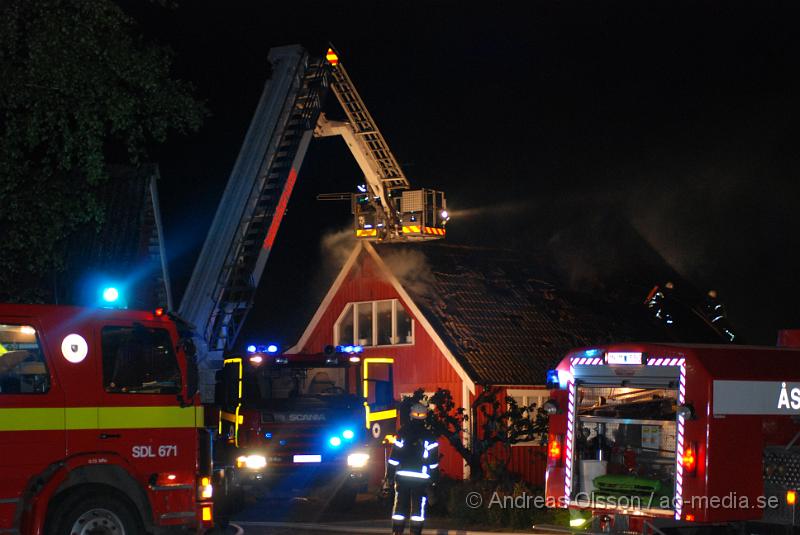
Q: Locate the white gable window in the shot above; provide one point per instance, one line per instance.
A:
(526, 397)
(374, 323)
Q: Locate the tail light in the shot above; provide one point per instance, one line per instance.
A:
(555, 450)
(689, 459)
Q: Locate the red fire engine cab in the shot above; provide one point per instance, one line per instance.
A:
(305, 419)
(648, 437)
(100, 427)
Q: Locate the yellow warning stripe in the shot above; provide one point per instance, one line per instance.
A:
(434, 230)
(414, 229)
(382, 415)
(366, 233)
(75, 418)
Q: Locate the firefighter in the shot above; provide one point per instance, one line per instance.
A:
(413, 466)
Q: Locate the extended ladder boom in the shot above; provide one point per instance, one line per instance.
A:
(225, 278)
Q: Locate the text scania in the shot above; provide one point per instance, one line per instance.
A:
(306, 417)
(165, 450)
(789, 399)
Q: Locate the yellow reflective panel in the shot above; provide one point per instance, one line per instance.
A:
(30, 419)
(145, 417)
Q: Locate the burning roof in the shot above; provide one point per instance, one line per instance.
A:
(507, 319)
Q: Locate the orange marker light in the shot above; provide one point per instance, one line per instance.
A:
(689, 459)
(554, 450)
(791, 497)
(332, 58)
(690, 517)
(206, 514)
(159, 312)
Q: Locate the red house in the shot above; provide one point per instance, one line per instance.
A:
(460, 317)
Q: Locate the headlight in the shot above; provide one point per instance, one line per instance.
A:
(357, 460)
(253, 462)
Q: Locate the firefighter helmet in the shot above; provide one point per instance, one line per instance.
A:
(418, 411)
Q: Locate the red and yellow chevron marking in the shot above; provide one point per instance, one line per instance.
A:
(435, 231)
(332, 57)
(366, 233)
(416, 229)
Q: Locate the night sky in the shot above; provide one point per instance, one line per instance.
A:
(680, 118)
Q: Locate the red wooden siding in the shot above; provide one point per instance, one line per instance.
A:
(527, 462)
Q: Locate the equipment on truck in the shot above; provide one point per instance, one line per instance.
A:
(311, 417)
(224, 282)
(101, 430)
(649, 437)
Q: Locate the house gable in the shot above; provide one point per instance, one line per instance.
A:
(365, 277)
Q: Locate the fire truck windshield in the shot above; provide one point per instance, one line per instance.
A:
(329, 385)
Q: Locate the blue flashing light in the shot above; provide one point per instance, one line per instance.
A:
(349, 349)
(552, 379)
(251, 349)
(272, 348)
(110, 294)
(591, 352)
(362, 188)
(335, 442)
(282, 442)
(267, 435)
(348, 434)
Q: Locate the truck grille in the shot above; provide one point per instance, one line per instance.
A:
(782, 466)
(781, 473)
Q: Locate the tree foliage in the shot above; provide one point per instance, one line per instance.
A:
(80, 88)
(502, 421)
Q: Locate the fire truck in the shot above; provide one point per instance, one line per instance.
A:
(307, 418)
(101, 430)
(648, 438)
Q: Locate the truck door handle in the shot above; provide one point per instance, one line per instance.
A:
(106, 436)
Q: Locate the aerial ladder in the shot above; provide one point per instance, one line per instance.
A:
(289, 114)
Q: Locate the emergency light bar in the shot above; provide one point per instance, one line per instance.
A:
(625, 358)
(349, 349)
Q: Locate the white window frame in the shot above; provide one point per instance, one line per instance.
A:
(354, 311)
(528, 396)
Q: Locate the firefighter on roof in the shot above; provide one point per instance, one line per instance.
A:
(413, 467)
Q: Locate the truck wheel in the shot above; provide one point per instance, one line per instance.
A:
(94, 515)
